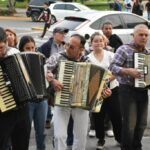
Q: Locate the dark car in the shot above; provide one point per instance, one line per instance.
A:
(35, 7)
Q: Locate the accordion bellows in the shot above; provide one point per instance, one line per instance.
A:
(22, 79)
(83, 84)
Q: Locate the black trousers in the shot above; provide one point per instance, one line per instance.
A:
(15, 126)
(46, 26)
(111, 106)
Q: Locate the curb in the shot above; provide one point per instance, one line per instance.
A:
(37, 28)
(14, 18)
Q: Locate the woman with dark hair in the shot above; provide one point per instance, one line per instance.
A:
(37, 111)
(27, 43)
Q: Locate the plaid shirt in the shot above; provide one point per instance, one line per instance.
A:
(123, 58)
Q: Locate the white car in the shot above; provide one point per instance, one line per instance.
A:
(88, 22)
(60, 10)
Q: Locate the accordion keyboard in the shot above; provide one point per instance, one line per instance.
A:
(139, 64)
(65, 75)
(7, 101)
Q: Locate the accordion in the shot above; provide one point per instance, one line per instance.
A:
(83, 84)
(17, 84)
(142, 63)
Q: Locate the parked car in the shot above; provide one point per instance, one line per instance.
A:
(59, 10)
(86, 23)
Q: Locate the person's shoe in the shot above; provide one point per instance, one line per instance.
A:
(100, 145)
(48, 124)
(92, 133)
(109, 133)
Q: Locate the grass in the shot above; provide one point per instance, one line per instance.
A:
(19, 4)
(24, 3)
(94, 4)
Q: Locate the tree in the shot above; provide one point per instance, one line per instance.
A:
(11, 6)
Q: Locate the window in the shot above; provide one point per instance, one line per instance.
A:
(59, 6)
(131, 20)
(71, 7)
(71, 23)
(114, 19)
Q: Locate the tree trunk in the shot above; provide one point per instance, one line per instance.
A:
(11, 6)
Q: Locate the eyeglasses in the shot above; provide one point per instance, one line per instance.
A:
(68, 45)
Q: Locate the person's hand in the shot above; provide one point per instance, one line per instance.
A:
(49, 76)
(135, 73)
(57, 85)
(106, 92)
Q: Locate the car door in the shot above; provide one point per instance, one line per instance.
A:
(71, 9)
(58, 11)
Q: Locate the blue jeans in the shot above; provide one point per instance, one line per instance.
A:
(134, 109)
(38, 113)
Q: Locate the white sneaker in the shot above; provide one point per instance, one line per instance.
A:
(92, 133)
(109, 133)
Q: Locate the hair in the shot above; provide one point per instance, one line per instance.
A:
(139, 26)
(24, 40)
(96, 34)
(14, 33)
(106, 23)
(3, 36)
(81, 38)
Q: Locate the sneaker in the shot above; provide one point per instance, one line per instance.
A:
(100, 145)
(109, 133)
(48, 124)
(92, 133)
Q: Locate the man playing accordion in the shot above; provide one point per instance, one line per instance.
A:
(74, 49)
(14, 124)
(133, 100)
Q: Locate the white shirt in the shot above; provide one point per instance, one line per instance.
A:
(105, 62)
(11, 51)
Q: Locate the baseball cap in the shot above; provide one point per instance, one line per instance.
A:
(60, 30)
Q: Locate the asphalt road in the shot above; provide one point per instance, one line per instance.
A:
(91, 142)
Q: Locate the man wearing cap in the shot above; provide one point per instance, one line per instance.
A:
(55, 44)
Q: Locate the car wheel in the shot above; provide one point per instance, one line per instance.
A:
(53, 19)
(35, 16)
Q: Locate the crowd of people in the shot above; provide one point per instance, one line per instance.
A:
(134, 6)
(124, 106)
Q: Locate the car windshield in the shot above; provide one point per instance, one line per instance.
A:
(70, 23)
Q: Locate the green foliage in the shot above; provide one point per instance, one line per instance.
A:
(19, 3)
